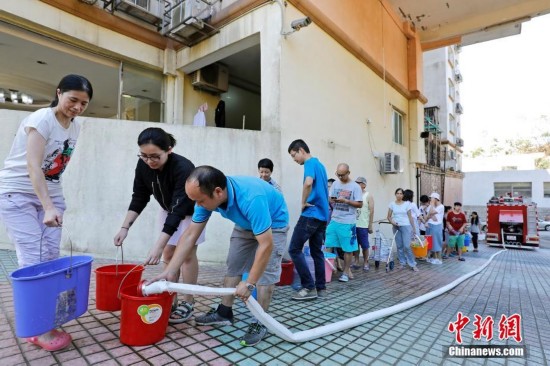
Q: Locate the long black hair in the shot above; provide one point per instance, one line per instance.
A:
(73, 82)
(158, 137)
(474, 220)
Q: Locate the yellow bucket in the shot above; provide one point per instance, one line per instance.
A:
(420, 252)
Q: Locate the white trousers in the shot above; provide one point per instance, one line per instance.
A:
(22, 215)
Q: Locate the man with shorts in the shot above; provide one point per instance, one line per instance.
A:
(347, 197)
(456, 226)
(365, 215)
(256, 246)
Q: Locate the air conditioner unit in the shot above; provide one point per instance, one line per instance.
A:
(149, 6)
(214, 78)
(391, 163)
(459, 142)
(187, 15)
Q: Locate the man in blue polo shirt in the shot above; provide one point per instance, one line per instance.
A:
(256, 246)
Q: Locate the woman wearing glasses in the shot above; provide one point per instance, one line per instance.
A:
(31, 195)
(162, 173)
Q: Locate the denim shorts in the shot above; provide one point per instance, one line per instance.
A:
(242, 251)
(363, 237)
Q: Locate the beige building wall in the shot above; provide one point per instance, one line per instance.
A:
(312, 88)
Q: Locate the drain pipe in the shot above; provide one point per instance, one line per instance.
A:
(303, 336)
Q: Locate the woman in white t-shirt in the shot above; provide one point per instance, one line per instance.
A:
(399, 215)
(31, 196)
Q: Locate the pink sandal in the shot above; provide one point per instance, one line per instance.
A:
(60, 341)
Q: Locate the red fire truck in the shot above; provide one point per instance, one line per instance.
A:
(512, 223)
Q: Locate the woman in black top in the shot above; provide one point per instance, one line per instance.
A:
(162, 173)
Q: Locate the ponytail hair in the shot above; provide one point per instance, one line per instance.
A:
(73, 82)
(158, 137)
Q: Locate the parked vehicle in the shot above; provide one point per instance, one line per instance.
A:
(543, 225)
(512, 223)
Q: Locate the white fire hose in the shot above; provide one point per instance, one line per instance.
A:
(303, 336)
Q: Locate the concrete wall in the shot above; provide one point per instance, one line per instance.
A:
(98, 181)
(479, 186)
(498, 163)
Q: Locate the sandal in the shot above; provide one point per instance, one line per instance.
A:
(181, 313)
(59, 341)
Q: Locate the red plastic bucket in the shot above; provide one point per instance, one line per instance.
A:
(143, 319)
(108, 283)
(287, 274)
(429, 240)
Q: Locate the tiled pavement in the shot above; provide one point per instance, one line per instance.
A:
(517, 281)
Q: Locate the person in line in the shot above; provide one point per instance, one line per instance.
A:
(422, 219)
(446, 210)
(456, 227)
(265, 169)
(399, 215)
(365, 216)
(256, 246)
(434, 227)
(162, 173)
(346, 197)
(474, 229)
(311, 225)
(31, 194)
(408, 195)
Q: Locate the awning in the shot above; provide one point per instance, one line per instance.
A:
(511, 216)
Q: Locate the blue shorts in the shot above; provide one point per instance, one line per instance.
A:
(363, 237)
(341, 236)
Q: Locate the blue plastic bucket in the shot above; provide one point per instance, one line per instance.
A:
(49, 294)
(466, 240)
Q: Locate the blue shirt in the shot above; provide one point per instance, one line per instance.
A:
(252, 204)
(319, 191)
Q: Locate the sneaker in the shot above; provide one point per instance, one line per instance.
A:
(452, 255)
(437, 261)
(475, 250)
(430, 260)
(461, 259)
(415, 269)
(366, 268)
(444, 257)
(355, 266)
(322, 293)
(305, 294)
(212, 318)
(343, 278)
(255, 333)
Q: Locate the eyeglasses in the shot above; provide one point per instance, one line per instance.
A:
(342, 175)
(153, 158)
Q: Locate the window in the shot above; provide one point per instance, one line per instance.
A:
(547, 189)
(516, 189)
(452, 91)
(397, 127)
(452, 124)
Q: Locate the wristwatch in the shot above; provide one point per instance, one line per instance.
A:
(250, 286)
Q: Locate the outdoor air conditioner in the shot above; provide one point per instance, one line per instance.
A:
(186, 16)
(214, 78)
(390, 164)
(150, 6)
(459, 142)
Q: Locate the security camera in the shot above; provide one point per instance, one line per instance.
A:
(300, 23)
